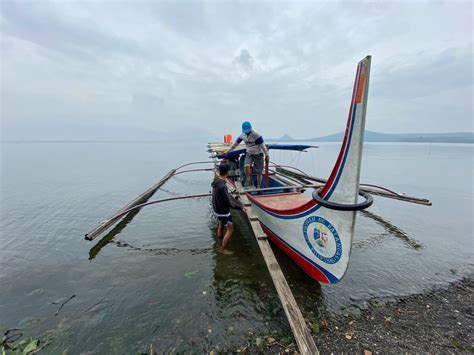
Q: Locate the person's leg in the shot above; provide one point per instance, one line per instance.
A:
(248, 174)
(259, 181)
(220, 230)
(258, 168)
(227, 238)
(248, 169)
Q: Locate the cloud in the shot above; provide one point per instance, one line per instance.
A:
(288, 67)
(44, 25)
(244, 59)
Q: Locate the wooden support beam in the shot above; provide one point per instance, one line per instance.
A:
(252, 217)
(301, 332)
(102, 227)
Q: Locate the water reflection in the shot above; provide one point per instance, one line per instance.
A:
(109, 236)
(119, 227)
(163, 251)
(244, 289)
(390, 230)
(246, 302)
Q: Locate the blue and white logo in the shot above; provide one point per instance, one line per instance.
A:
(322, 239)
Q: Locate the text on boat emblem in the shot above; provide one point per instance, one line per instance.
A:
(322, 239)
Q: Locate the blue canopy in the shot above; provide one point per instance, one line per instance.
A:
(296, 147)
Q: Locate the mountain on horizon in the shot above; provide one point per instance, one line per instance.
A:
(371, 136)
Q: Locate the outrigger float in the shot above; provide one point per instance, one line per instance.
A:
(310, 218)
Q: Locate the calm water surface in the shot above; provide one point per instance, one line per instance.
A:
(160, 279)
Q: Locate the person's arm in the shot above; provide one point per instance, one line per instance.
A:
(233, 202)
(235, 144)
(262, 144)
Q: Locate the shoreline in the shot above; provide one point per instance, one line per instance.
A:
(436, 321)
(440, 320)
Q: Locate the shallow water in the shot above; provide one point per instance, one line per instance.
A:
(159, 278)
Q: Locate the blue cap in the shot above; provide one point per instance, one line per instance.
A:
(246, 127)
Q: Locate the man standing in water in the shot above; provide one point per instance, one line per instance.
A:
(222, 202)
(256, 148)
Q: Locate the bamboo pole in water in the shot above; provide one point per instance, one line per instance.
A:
(102, 227)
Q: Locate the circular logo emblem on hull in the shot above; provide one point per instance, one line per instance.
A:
(322, 239)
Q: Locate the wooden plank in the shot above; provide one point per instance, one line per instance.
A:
(255, 226)
(301, 332)
(252, 217)
(140, 199)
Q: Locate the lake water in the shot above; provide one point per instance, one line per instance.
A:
(160, 279)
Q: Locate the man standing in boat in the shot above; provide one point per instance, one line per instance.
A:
(256, 149)
(222, 202)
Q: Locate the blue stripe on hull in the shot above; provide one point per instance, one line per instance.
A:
(332, 279)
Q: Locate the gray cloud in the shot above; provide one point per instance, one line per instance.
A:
(45, 26)
(288, 67)
(244, 59)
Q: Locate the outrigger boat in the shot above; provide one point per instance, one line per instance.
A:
(315, 230)
(311, 219)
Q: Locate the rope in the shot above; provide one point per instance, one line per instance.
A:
(344, 207)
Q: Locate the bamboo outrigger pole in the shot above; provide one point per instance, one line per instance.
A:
(141, 198)
(368, 188)
(103, 226)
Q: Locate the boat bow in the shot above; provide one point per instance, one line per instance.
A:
(317, 237)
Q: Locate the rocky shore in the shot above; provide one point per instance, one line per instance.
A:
(439, 322)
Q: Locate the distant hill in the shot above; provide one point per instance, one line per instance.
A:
(370, 136)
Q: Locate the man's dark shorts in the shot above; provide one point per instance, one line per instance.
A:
(225, 220)
(257, 162)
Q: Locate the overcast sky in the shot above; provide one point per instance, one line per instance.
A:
(110, 69)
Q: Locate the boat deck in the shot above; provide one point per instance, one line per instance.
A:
(283, 202)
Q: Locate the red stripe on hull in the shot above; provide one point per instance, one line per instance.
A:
(309, 268)
(333, 175)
